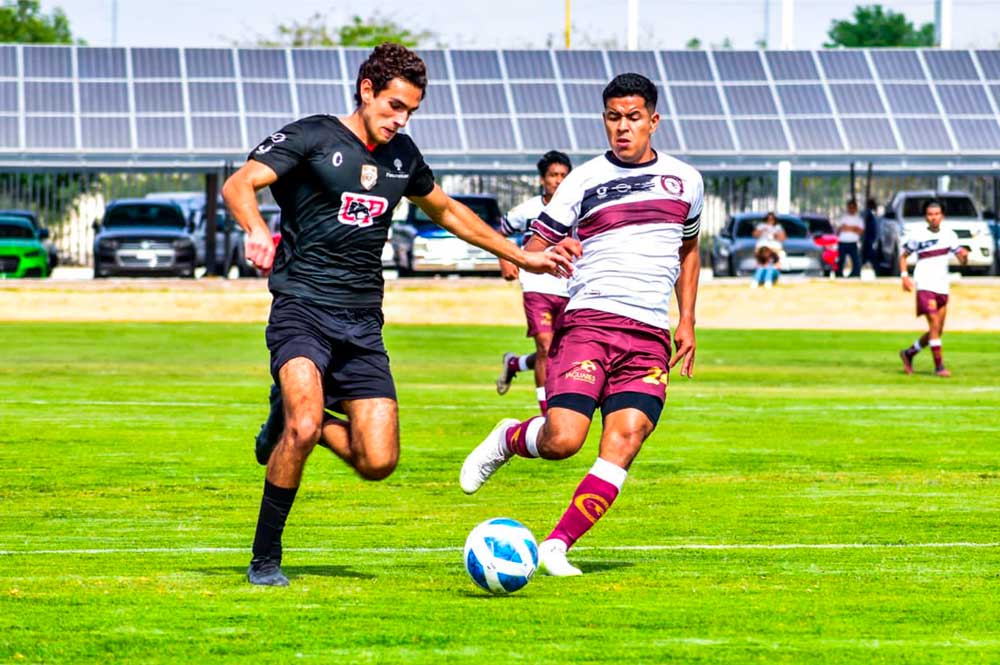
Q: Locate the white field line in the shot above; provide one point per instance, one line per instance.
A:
(791, 408)
(438, 550)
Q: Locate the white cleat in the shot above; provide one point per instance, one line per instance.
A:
(552, 560)
(486, 458)
(506, 375)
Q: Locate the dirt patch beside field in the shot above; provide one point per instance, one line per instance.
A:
(811, 304)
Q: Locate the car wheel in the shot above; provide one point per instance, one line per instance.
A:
(97, 272)
(405, 268)
(732, 268)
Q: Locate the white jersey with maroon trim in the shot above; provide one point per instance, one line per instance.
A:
(932, 250)
(519, 220)
(631, 220)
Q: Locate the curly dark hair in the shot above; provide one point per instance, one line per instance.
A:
(388, 61)
(553, 157)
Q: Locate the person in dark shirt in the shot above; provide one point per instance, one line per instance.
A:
(337, 181)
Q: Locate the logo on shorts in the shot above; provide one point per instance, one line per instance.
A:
(546, 319)
(656, 376)
(369, 175)
(583, 370)
(672, 185)
(361, 209)
(591, 505)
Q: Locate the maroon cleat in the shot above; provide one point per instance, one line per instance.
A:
(943, 373)
(907, 361)
(508, 371)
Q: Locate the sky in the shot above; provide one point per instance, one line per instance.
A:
(506, 23)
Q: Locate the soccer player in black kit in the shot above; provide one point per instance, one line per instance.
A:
(337, 181)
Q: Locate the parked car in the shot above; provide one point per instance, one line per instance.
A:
(421, 246)
(823, 235)
(143, 237)
(906, 212)
(22, 252)
(733, 248)
(43, 233)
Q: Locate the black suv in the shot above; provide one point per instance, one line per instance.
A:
(143, 237)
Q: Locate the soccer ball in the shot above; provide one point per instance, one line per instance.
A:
(501, 555)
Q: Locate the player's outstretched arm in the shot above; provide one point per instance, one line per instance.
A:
(456, 217)
(687, 293)
(240, 195)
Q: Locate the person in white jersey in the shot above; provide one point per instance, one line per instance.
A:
(630, 219)
(933, 246)
(850, 227)
(544, 296)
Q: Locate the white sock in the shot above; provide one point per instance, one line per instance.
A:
(522, 363)
(935, 342)
(531, 435)
(916, 346)
(609, 472)
(540, 393)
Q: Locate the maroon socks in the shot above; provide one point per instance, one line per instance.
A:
(593, 496)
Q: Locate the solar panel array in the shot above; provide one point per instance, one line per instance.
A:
(212, 101)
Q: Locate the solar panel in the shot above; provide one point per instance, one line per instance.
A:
(803, 99)
(159, 97)
(791, 65)
(584, 98)
(686, 66)
(156, 63)
(995, 89)
(47, 62)
(317, 98)
(590, 136)
(958, 99)
(951, 65)
(706, 135)
(48, 97)
(263, 64)
(976, 133)
(696, 100)
(989, 61)
(472, 65)
(219, 132)
(9, 132)
(8, 97)
(750, 100)
(815, 134)
(437, 67)
(528, 65)
(482, 98)
(353, 57)
(544, 134)
(923, 134)
(209, 63)
(896, 65)
(869, 134)
(536, 98)
(316, 64)
(856, 98)
(582, 65)
(639, 62)
(260, 127)
(103, 97)
(739, 66)
(105, 133)
(101, 63)
(844, 65)
(436, 134)
(489, 134)
(665, 137)
(437, 100)
(912, 98)
(160, 133)
(763, 135)
(8, 61)
(216, 97)
(49, 132)
(267, 98)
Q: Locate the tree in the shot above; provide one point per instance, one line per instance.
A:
(874, 26)
(23, 22)
(693, 43)
(363, 32)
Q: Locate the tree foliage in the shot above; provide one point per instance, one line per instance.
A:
(358, 31)
(23, 22)
(873, 26)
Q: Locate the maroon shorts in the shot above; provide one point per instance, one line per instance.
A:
(598, 355)
(542, 312)
(929, 302)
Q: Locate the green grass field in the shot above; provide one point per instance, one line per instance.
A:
(801, 501)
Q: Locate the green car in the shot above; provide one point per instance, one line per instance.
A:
(21, 251)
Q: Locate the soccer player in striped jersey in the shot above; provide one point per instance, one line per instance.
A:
(630, 219)
(544, 296)
(933, 246)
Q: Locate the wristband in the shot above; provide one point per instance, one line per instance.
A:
(904, 274)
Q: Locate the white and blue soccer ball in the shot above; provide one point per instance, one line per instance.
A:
(501, 555)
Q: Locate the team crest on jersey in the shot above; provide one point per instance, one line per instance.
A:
(672, 185)
(361, 209)
(369, 175)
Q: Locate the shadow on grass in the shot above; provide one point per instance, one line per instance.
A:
(603, 566)
(291, 571)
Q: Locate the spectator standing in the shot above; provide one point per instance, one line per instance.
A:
(871, 233)
(850, 228)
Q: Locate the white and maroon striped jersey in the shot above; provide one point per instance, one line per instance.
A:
(519, 220)
(933, 251)
(631, 220)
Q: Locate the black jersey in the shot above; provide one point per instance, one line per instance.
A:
(336, 198)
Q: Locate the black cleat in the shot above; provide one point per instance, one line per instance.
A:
(265, 571)
(270, 432)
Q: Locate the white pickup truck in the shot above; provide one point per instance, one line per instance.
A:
(906, 212)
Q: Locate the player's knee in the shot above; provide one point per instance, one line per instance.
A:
(303, 432)
(623, 444)
(377, 467)
(556, 445)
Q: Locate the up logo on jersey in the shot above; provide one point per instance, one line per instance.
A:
(361, 209)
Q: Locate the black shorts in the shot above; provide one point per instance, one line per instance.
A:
(345, 345)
